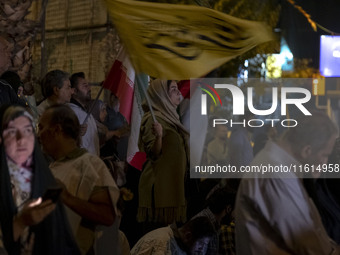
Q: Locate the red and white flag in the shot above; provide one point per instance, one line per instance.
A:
(134, 157)
(190, 106)
(121, 81)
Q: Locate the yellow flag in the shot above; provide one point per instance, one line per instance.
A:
(182, 41)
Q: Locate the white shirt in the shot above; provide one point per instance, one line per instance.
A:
(275, 215)
(43, 106)
(89, 141)
(81, 176)
(158, 242)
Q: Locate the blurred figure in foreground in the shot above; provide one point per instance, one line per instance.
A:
(192, 238)
(274, 214)
(327, 195)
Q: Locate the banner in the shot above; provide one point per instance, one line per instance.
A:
(182, 41)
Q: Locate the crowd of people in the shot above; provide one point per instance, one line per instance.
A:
(60, 195)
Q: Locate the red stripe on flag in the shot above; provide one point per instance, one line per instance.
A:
(121, 86)
(114, 77)
(184, 87)
(138, 160)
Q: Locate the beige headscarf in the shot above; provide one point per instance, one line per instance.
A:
(162, 106)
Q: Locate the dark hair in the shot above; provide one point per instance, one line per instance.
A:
(220, 199)
(67, 119)
(74, 79)
(11, 112)
(168, 83)
(199, 227)
(315, 130)
(53, 79)
(13, 79)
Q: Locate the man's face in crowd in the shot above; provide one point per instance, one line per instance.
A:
(83, 90)
(65, 92)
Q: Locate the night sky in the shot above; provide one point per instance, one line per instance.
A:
(302, 40)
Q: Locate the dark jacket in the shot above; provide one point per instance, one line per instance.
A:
(8, 95)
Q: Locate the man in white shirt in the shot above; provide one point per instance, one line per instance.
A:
(274, 214)
(56, 89)
(80, 97)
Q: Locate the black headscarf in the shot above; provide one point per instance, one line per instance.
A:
(53, 235)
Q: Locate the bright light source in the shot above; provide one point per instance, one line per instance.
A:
(246, 63)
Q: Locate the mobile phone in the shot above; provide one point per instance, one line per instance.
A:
(52, 193)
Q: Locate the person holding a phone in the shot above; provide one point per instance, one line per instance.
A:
(24, 177)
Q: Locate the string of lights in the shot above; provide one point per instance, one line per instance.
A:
(313, 24)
